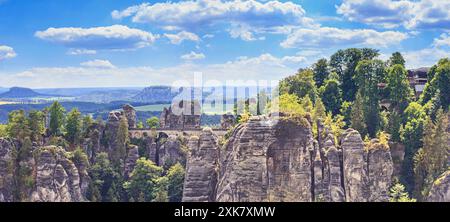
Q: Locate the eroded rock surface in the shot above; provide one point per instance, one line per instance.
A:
(57, 178)
(7, 162)
(354, 167)
(201, 168)
(132, 157)
(267, 162)
(277, 159)
(380, 169)
(440, 190)
(130, 114)
(171, 152)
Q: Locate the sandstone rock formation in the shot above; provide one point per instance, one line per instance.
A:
(380, 169)
(333, 157)
(171, 152)
(277, 159)
(111, 129)
(398, 155)
(227, 121)
(130, 114)
(130, 161)
(57, 178)
(440, 190)
(201, 168)
(267, 162)
(354, 167)
(367, 171)
(7, 162)
(181, 115)
(166, 150)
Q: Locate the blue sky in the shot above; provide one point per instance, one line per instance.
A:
(101, 43)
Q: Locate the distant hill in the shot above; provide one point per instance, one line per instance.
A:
(108, 96)
(2, 90)
(76, 92)
(153, 94)
(165, 94)
(19, 92)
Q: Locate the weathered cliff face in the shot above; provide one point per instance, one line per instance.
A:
(187, 115)
(92, 143)
(57, 178)
(7, 148)
(165, 150)
(367, 171)
(201, 168)
(227, 121)
(171, 152)
(130, 114)
(354, 167)
(130, 161)
(277, 159)
(333, 191)
(440, 190)
(398, 155)
(380, 169)
(267, 162)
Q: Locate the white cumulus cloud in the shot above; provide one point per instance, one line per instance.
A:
(193, 56)
(178, 38)
(81, 52)
(116, 37)
(7, 52)
(329, 37)
(417, 14)
(424, 57)
(243, 32)
(443, 40)
(98, 63)
(269, 16)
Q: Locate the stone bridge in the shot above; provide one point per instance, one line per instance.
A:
(139, 133)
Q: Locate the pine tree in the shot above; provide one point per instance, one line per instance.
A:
(122, 140)
(37, 125)
(396, 59)
(357, 115)
(321, 72)
(431, 161)
(368, 74)
(397, 193)
(56, 119)
(398, 88)
(73, 127)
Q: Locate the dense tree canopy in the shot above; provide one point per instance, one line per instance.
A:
(175, 176)
(302, 84)
(153, 122)
(144, 181)
(331, 95)
(431, 160)
(344, 63)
